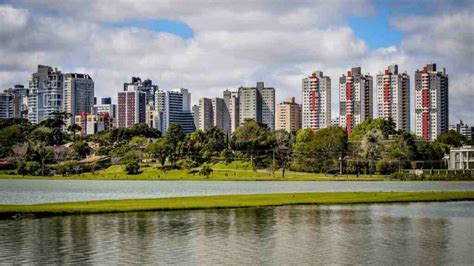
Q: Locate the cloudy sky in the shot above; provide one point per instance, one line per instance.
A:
(209, 46)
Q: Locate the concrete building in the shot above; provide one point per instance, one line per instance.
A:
(110, 109)
(20, 100)
(356, 98)
(257, 103)
(106, 100)
(131, 108)
(78, 94)
(393, 97)
(46, 93)
(288, 115)
(316, 101)
(220, 114)
(335, 122)
(92, 123)
(463, 129)
(206, 114)
(231, 100)
(195, 110)
(150, 116)
(461, 158)
(431, 102)
(6, 105)
(145, 86)
(174, 107)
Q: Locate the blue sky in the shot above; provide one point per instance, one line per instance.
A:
(159, 25)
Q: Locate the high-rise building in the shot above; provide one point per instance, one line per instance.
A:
(206, 114)
(393, 97)
(257, 103)
(174, 107)
(195, 110)
(110, 109)
(131, 108)
(6, 105)
(463, 129)
(356, 98)
(316, 101)
(46, 93)
(231, 100)
(145, 86)
(335, 122)
(431, 102)
(220, 114)
(78, 94)
(288, 115)
(150, 116)
(20, 101)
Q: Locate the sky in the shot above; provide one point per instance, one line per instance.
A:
(209, 46)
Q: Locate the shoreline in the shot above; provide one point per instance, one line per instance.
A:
(227, 201)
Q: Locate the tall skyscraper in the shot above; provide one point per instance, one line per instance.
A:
(356, 98)
(46, 93)
(174, 107)
(316, 101)
(131, 108)
(213, 113)
(432, 102)
(6, 105)
(206, 114)
(145, 86)
(231, 100)
(20, 100)
(288, 115)
(257, 103)
(78, 94)
(393, 97)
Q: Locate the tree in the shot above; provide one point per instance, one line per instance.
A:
(366, 126)
(388, 127)
(160, 150)
(42, 153)
(131, 160)
(371, 147)
(143, 130)
(205, 170)
(80, 150)
(132, 168)
(452, 138)
(403, 149)
(253, 137)
(56, 120)
(282, 150)
(73, 129)
(174, 137)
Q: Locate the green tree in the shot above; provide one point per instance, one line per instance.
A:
(251, 138)
(452, 138)
(41, 152)
(372, 148)
(175, 137)
(403, 149)
(73, 129)
(160, 150)
(205, 170)
(80, 150)
(282, 150)
(132, 168)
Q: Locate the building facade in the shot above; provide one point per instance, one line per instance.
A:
(130, 108)
(146, 86)
(174, 107)
(92, 123)
(231, 100)
(461, 158)
(206, 114)
(316, 101)
(463, 129)
(19, 101)
(257, 103)
(393, 97)
(356, 98)
(78, 94)
(288, 115)
(6, 105)
(431, 102)
(46, 93)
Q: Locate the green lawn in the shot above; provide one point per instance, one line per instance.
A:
(236, 171)
(230, 201)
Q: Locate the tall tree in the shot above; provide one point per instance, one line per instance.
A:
(253, 138)
(175, 137)
(371, 147)
(160, 150)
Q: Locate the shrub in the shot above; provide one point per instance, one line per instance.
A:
(132, 167)
(187, 164)
(205, 170)
(385, 167)
(66, 168)
(32, 168)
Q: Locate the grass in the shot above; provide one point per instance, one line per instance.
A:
(236, 171)
(228, 201)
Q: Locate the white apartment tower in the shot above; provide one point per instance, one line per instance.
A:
(356, 99)
(231, 100)
(393, 97)
(316, 101)
(257, 103)
(431, 102)
(46, 94)
(78, 94)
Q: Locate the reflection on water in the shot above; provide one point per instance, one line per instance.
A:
(421, 233)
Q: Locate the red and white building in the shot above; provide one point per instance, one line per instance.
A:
(316, 101)
(131, 108)
(432, 102)
(355, 98)
(92, 123)
(393, 97)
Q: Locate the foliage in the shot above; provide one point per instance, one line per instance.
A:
(80, 150)
(205, 170)
(385, 167)
(452, 138)
(174, 137)
(252, 139)
(132, 167)
(66, 167)
(371, 147)
(160, 150)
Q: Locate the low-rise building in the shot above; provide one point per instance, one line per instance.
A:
(92, 123)
(461, 158)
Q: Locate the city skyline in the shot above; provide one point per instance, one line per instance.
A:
(208, 54)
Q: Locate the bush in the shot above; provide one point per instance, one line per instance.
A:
(187, 164)
(385, 167)
(66, 168)
(32, 168)
(205, 170)
(132, 168)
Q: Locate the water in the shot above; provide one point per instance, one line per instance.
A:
(16, 191)
(415, 233)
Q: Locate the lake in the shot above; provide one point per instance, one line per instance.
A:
(18, 191)
(413, 233)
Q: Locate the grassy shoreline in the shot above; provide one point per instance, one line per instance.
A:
(228, 201)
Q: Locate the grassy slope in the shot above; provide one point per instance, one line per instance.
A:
(228, 201)
(233, 172)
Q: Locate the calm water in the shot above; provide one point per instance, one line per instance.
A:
(415, 233)
(17, 191)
